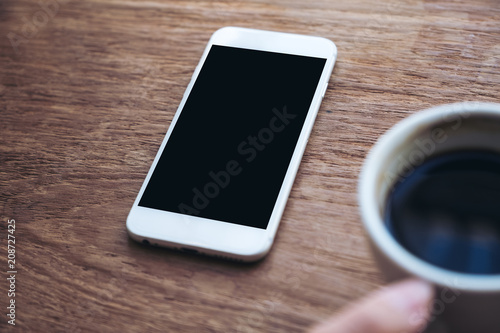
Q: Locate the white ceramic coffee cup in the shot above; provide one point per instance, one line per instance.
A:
(464, 302)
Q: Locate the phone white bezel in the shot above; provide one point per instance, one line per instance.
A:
(221, 238)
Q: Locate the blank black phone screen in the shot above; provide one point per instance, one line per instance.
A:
(232, 144)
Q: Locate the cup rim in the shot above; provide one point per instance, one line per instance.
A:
(373, 222)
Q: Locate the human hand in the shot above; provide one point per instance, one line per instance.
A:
(401, 307)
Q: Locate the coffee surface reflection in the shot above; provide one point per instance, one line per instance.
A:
(447, 212)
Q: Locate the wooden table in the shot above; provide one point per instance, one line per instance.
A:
(87, 92)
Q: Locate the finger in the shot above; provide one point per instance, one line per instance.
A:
(402, 307)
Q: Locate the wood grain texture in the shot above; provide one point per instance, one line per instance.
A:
(88, 96)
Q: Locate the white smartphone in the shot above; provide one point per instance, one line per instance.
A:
(222, 176)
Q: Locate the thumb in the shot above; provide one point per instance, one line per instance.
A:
(402, 307)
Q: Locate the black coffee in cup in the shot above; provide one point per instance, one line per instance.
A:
(447, 211)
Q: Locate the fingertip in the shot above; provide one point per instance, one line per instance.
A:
(399, 307)
(410, 295)
(410, 301)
